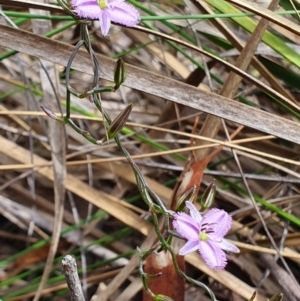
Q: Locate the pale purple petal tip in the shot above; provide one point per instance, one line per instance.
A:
(124, 13)
(219, 220)
(195, 214)
(213, 256)
(105, 23)
(227, 246)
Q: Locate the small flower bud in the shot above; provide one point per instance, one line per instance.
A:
(120, 73)
(208, 196)
(50, 114)
(162, 298)
(189, 195)
(90, 98)
(277, 297)
(117, 125)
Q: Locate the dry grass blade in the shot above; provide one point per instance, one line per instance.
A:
(154, 84)
(111, 206)
(45, 221)
(104, 201)
(233, 68)
(234, 40)
(125, 272)
(212, 124)
(213, 143)
(283, 278)
(50, 86)
(31, 4)
(172, 60)
(167, 58)
(58, 287)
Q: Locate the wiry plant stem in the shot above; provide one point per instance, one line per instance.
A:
(155, 204)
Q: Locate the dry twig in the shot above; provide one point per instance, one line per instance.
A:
(70, 271)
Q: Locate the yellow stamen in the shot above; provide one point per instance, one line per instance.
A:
(203, 236)
(102, 4)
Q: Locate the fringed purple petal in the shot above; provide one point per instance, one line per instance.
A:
(205, 234)
(219, 221)
(87, 9)
(123, 13)
(117, 11)
(186, 226)
(227, 246)
(189, 247)
(195, 214)
(213, 256)
(105, 23)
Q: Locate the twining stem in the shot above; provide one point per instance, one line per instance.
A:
(152, 200)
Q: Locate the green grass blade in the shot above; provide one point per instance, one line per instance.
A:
(248, 24)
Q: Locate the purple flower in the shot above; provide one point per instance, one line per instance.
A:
(205, 234)
(106, 11)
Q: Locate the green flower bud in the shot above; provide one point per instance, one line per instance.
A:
(189, 195)
(117, 125)
(208, 196)
(50, 114)
(120, 73)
